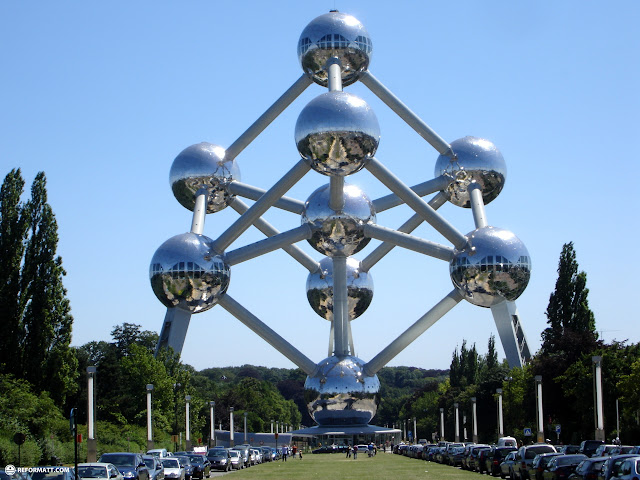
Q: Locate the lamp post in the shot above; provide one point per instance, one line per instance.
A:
(187, 435)
(176, 387)
(231, 440)
(415, 431)
(212, 434)
(92, 451)
(442, 424)
(272, 426)
(500, 419)
(474, 419)
(538, 379)
(245, 427)
(457, 432)
(597, 385)
(149, 419)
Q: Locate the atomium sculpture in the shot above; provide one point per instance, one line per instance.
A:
(337, 134)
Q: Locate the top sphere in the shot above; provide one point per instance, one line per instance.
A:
(203, 166)
(334, 34)
(479, 161)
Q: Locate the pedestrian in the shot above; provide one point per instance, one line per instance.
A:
(355, 452)
(285, 452)
(348, 451)
(294, 450)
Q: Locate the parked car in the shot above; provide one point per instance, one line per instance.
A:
(267, 454)
(525, 457)
(611, 466)
(589, 468)
(540, 462)
(630, 469)
(568, 449)
(154, 465)
(237, 459)
(589, 447)
(475, 462)
(560, 467)
(185, 461)
(158, 452)
(220, 459)
(131, 465)
(495, 457)
(53, 473)
(173, 470)
(508, 464)
(201, 465)
(604, 450)
(622, 449)
(99, 470)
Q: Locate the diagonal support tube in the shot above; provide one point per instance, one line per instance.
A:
(267, 334)
(257, 209)
(410, 242)
(394, 103)
(416, 203)
(426, 188)
(413, 332)
(269, 230)
(267, 117)
(409, 226)
(254, 193)
(242, 254)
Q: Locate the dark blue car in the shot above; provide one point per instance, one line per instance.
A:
(130, 465)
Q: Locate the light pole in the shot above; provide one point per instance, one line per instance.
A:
(442, 424)
(176, 387)
(272, 426)
(245, 427)
(474, 419)
(597, 383)
(457, 433)
(415, 431)
(149, 420)
(538, 379)
(500, 419)
(212, 434)
(92, 451)
(187, 399)
(231, 440)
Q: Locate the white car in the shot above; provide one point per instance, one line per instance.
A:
(172, 469)
(99, 470)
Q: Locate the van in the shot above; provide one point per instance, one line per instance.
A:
(158, 452)
(507, 442)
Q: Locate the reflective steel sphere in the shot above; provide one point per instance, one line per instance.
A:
(334, 34)
(185, 273)
(493, 267)
(340, 394)
(337, 132)
(478, 161)
(203, 166)
(338, 233)
(320, 289)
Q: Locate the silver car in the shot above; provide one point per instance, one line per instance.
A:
(237, 459)
(173, 470)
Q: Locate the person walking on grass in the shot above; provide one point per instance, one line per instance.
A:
(355, 452)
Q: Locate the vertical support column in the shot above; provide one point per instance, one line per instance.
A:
(415, 430)
(457, 432)
(442, 424)
(212, 433)
(340, 307)
(474, 420)
(539, 408)
(149, 418)
(199, 212)
(500, 418)
(477, 205)
(187, 435)
(599, 411)
(334, 74)
(271, 426)
(231, 439)
(92, 451)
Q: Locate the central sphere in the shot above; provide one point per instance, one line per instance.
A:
(337, 132)
(478, 161)
(334, 34)
(338, 232)
(320, 289)
(493, 267)
(203, 166)
(339, 393)
(185, 273)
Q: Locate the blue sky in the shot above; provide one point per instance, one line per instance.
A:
(103, 96)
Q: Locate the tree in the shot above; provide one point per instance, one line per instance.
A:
(13, 232)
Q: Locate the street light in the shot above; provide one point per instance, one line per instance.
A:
(500, 419)
(442, 424)
(92, 451)
(457, 434)
(474, 419)
(231, 439)
(212, 434)
(597, 384)
(149, 421)
(176, 387)
(187, 399)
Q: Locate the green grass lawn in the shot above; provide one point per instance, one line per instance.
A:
(336, 466)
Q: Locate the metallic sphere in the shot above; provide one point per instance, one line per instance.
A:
(340, 394)
(334, 34)
(185, 273)
(203, 166)
(337, 132)
(494, 266)
(338, 232)
(320, 289)
(478, 161)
